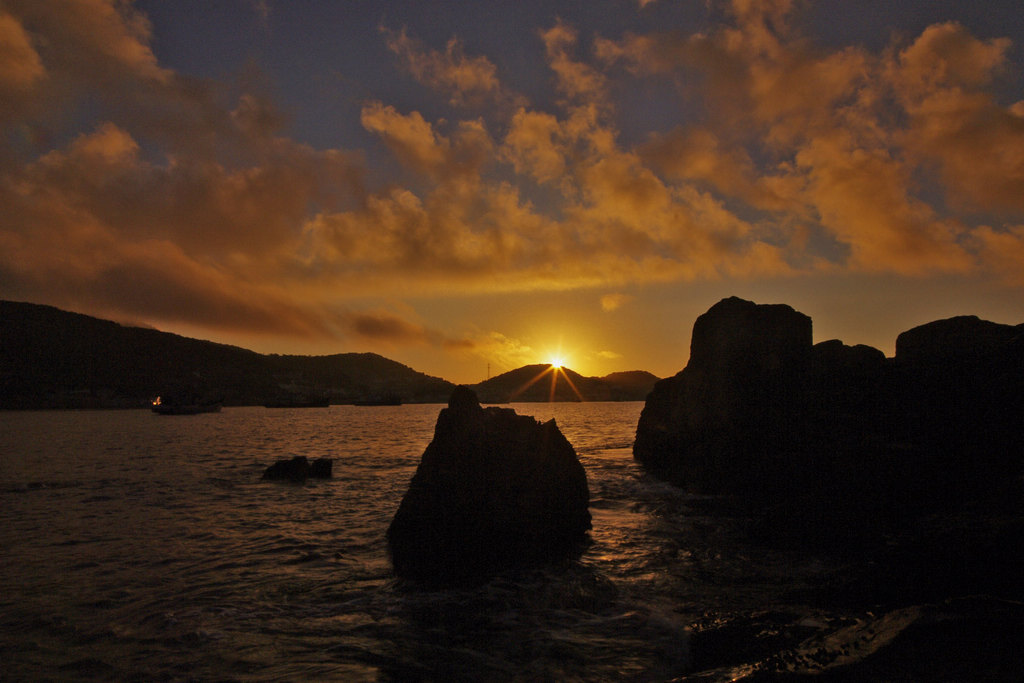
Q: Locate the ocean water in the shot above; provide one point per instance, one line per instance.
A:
(143, 547)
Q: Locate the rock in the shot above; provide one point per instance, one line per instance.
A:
(493, 490)
(321, 468)
(298, 469)
(761, 337)
(954, 339)
(849, 382)
(717, 421)
(961, 399)
(832, 441)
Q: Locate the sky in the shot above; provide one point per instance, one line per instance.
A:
(471, 187)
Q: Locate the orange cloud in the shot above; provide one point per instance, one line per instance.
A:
(468, 81)
(847, 164)
(613, 302)
(382, 326)
(505, 352)
(20, 64)
(576, 79)
(416, 144)
(955, 123)
(862, 197)
(534, 146)
(409, 137)
(1003, 251)
(94, 38)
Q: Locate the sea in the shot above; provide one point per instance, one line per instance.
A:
(140, 547)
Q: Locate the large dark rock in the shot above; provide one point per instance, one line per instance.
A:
(829, 441)
(959, 339)
(494, 489)
(721, 420)
(961, 400)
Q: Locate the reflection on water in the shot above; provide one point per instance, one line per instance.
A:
(145, 547)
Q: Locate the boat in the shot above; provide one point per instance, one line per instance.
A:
(187, 400)
(163, 407)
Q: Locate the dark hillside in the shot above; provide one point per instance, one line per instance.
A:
(637, 383)
(55, 359)
(532, 383)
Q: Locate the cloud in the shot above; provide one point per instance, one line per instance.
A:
(535, 146)
(1003, 250)
(863, 197)
(468, 81)
(148, 280)
(609, 355)
(99, 40)
(20, 64)
(956, 124)
(381, 326)
(613, 302)
(416, 144)
(850, 131)
(575, 79)
(506, 353)
(411, 139)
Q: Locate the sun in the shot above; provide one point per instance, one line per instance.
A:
(556, 362)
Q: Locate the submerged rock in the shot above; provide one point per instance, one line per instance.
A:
(494, 489)
(299, 468)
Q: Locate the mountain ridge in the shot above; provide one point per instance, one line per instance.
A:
(545, 382)
(52, 358)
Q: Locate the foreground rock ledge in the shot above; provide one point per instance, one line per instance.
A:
(493, 490)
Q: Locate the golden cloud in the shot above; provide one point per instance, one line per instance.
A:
(20, 64)
(383, 326)
(1003, 250)
(955, 123)
(576, 79)
(613, 302)
(468, 81)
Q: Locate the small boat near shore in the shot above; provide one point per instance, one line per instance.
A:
(186, 402)
(164, 408)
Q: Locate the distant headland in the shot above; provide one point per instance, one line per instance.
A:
(50, 359)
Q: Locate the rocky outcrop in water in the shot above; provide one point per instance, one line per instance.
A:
(494, 489)
(723, 418)
(298, 469)
(839, 436)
